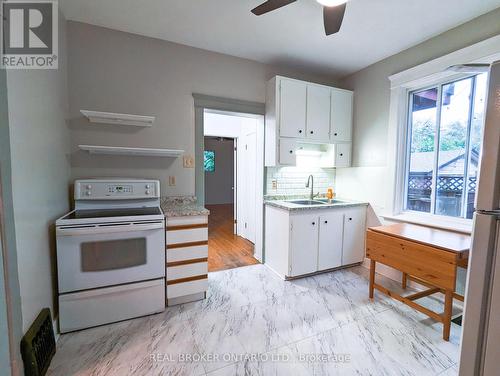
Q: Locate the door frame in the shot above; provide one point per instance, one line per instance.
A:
(256, 110)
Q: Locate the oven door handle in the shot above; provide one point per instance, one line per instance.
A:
(93, 230)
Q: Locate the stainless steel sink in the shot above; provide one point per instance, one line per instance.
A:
(325, 201)
(307, 202)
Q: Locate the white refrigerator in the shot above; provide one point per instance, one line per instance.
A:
(480, 345)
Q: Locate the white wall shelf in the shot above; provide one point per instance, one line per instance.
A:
(141, 152)
(118, 119)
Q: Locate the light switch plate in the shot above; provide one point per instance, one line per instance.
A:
(171, 181)
(188, 161)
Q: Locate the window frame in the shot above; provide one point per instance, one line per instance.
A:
(400, 84)
(438, 85)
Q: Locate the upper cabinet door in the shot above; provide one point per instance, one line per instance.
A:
(318, 113)
(293, 95)
(341, 116)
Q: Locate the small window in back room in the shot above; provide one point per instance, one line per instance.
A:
(209, 161)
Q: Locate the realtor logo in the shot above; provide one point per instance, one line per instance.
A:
(29, 34)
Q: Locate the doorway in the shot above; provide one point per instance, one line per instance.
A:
(232, 180)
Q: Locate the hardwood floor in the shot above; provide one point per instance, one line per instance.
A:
(225, 249)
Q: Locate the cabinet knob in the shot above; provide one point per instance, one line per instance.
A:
(312, 132)
(326, 222)
(341, 154)
(300, 130)
(291, 151)
(314, 223)
(350, 219)
(335, 134)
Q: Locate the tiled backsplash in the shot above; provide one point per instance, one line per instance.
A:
(292, 180)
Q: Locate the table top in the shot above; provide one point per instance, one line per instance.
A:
(447, 240)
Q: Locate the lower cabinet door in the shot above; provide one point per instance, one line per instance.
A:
(304, 244)
(331, 228)
(354, 235)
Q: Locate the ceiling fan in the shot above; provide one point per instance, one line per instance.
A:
(333, 12)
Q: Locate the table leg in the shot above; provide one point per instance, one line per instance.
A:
(372, 277)
(404, 281)
(448, 305)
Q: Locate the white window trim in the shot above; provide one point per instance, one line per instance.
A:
(424, 75)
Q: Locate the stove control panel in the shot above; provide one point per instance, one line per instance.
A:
(116, 189)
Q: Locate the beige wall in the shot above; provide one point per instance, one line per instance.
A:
(39, 142)
(121, 72)
(371, 106)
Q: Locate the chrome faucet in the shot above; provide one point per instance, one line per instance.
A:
(310, 180)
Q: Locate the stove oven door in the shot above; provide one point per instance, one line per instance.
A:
(92, 256)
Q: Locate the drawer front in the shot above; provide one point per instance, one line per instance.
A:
(186, 271)
(183, 221)
(92, 307)
(435, 266)
(187, 288)
(186, 236)
(187, 253)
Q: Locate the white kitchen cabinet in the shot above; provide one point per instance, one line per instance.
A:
(331, 227)
(293, 99)
(303, 244)
(311, 240)
(341, 115)
(187, 259)
(354, 235)
(287, 151)
(302, 111)
(342, 155)
(318, 113)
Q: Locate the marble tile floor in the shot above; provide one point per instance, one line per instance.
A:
(253, 323)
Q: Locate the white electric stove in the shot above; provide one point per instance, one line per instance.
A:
(111, 253)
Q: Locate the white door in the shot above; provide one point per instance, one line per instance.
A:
(342, 155)
(341, 116)
(235, 186)
(287, 149)
(250, 173)
(292, 108)
(304, 244)
(331, 228)
(318, 113)
(353, 250)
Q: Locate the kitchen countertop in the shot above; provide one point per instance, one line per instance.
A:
(182, 206)
(286, 205)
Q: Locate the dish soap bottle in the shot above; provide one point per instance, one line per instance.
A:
(330, 195)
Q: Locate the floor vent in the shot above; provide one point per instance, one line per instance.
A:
(38, 345)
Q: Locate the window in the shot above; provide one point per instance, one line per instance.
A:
(209, 161)
(444, 141)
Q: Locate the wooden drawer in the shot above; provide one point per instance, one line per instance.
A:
(186, 271)
(187, 253)
(187, 288)
(187, 236)
(418, 260)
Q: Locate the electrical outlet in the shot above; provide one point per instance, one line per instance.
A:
(171, 181)
(274, 183)
(188, 161)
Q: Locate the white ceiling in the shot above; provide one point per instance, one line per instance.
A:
(293, 35)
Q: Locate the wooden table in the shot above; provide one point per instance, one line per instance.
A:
(425, 255)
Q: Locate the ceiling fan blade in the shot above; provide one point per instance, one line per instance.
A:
(270, 5)
(333, 17)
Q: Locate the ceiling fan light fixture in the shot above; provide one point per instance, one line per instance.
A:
(331, 3)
